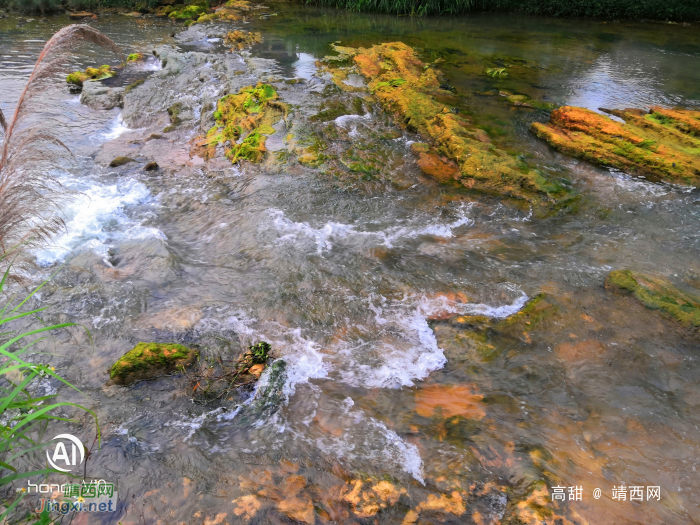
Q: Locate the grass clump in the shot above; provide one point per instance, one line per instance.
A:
(25, 417)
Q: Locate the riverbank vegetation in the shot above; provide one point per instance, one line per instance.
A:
(671, 10)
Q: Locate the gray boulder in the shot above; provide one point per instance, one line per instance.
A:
(98, 96)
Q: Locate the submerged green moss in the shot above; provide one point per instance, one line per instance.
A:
(657, 294)
(148, 360)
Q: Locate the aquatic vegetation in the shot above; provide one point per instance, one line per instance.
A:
(243, 121)
(663, 143)
(133, 85)
(409, 89)
(174, 114)
(242, 39)
(92, 73)
(499, 72)
(657, 294)
(27, 190)
(149, 360)
(135, 57)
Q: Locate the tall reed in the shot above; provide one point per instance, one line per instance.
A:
(28, 191)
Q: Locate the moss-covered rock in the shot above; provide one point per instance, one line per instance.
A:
(135, 57)
(188, 13)
(149, 360)
(243, 122)
(657, 294)
(241, 39)
(92, 73)
(412, 90)
(663, 143)
(120, 161)
(133, 85)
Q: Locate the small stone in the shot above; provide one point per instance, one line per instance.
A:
(120, 161)
(151, 166)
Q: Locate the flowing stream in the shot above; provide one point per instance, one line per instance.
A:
(352, 282)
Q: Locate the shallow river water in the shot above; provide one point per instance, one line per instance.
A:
(389, 412)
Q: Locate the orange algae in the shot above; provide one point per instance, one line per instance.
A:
(450, 401)
(408, 88)
(663, 143)
(243, 121)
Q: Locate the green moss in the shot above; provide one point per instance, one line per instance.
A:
(135, 57)
(657, 294)
(242, 122)
(148, 360)
(92, 73)
(189, 13)
(133, 86)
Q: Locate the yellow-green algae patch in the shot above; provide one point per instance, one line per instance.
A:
(243, 122)
(657, 294)
(662, 143)
(408, 88)
(135, 57)
(242, 39)
(148, 360)
(92, 73)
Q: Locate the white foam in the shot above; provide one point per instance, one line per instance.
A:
(95, 218)
(405, 349)
(332, 231)
(350, 122)
(116, 129)
(303, 359)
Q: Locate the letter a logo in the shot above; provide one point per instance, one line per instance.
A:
(60, 453)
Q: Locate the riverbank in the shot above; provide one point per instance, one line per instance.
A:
(652, 10)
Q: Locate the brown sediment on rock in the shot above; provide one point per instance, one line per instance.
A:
(657, 294)
(241, 39)
(663, 143)
(450, 401)
(243, 122)
(408, 88)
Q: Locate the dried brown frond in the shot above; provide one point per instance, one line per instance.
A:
(2, 121)
(29, 193)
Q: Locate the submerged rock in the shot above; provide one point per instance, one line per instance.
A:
(657, 294)
(663, 143)
(411, 90)
(148, 360)
(98, 96)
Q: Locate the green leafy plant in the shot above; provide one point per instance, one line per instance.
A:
(497, 72)
(24, 417)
